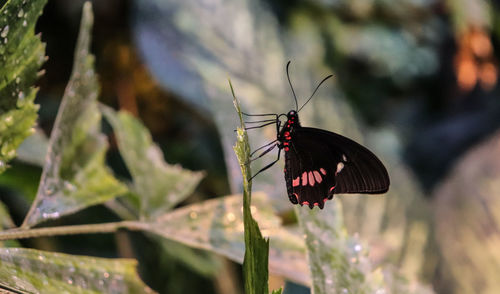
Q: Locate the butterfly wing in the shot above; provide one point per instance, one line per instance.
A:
(321, 163)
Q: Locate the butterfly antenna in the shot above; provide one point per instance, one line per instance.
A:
(317, 87)
(291, 87)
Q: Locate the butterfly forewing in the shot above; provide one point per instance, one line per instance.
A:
(321, 163)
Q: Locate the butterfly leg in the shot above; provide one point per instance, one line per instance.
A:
(269, 165)
(251, 154)
(264, 152)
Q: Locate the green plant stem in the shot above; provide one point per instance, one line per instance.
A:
(71, 230)
(255, 262)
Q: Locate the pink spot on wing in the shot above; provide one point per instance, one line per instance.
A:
(317, 176)
(311, 179)
(316, 203)
(305, 202)
(304, 179)
(296, 196)
(331, 189)
(325, 199)
(323, 171)
(296, 182)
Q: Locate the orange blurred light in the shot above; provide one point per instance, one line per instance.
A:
(467, 74)
(480, 44)
(488, 75)
(474, 62)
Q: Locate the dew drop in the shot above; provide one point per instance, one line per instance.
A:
(8, 120)
(230, 216)
(69, 186)
(20, 13)
(50, 189)
(20, 99)
(18, 80)
(49, 215)
(25, 23)
(358, 247)
(2, 164)
(4, 32)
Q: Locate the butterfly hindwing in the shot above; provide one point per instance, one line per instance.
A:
(321, 163)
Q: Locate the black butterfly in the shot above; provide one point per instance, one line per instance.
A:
(319, 163)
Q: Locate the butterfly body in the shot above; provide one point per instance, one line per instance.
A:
(319, 164)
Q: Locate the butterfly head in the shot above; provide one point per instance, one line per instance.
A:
(292, 117)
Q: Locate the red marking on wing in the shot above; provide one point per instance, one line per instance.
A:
(325, 199)
(304, 179)
(296, 196)
(316, 203)
(323, 171)
(331, 189)
(317, 177)
(286, 148)
(305, 202)
(296, 182)
(311, 179)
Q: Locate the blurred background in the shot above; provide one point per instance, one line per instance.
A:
(417, 80)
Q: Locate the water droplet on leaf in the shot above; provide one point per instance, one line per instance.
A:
(4, 32)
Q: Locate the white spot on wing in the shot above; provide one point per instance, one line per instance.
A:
(344, 158)
(340, 166)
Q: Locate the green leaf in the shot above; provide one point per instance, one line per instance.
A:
(35, 271)
(75, 175)
(160, 185)
(277, 291)
(331, 265)
(202, 262)
(21, 56)
(217, 225)
(255, 263)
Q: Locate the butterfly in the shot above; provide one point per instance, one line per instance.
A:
(319, 163)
